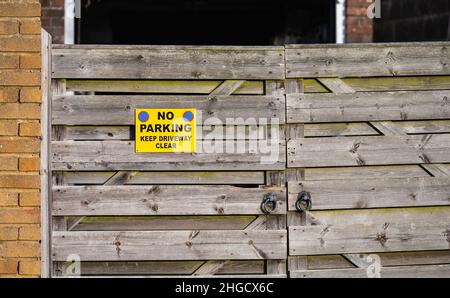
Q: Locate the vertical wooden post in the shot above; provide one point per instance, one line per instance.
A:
(46, 41)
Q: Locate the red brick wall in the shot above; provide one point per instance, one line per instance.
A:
(53, 19)
(20, 97)
(359, 28)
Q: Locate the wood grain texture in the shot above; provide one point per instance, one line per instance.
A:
(119, 110)
(373, 193)
(167, 62)
(360, 151)
(371, 172)
(368, 106)
(425, 271)
(205, 132)
(168, 178)
(170, 245)
(162, 200)
(163, 223)
(361, 60)
(160, 86)
(120, 155)
(356, 238)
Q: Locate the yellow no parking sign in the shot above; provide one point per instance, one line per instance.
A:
(165, 130)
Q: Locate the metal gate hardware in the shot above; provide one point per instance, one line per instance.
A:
(303, 202)
(269, 203)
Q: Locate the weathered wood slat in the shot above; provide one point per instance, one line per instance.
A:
(170, 245)
(418, 127)
(368, 106)
(399, 83)
(373, 193)
(361, 60)
(425, 271)
(89, 132)
(357, 238)
(168, 177)
(339, 129)
(154, 223)
(162, 200)
(119, 110)
(158, 86)
(120, 155)
(379, 150)
(157, 62)
(406, 216)
(387, 259)
(162, 267)
(373, 172)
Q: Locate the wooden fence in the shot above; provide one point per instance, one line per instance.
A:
(364, 131)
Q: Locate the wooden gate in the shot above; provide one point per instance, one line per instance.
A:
(123, 213)
(368, 141)
(364, 132)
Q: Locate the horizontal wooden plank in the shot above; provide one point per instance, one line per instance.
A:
(361, 60)
(154, 223)
(167, 177)
(358, 238)
(339, 129)
(162, 200)
(377, 150)
(373, 193)
(90, 132)
(373, 172)
(368, 106)
(119, 110)
(120, 155)
(424, 127)
(387, 259)
(153, 62)
(170, 245)
(161, 268)
(406, 216)
(425, 271)
(159, 86)
(399, 83)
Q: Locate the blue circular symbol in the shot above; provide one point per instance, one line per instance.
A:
(143, 116)
(188, 116)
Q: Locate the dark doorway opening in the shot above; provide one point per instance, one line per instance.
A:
(206, 22)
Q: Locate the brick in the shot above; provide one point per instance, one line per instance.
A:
(8, 266)
(19, 181)
(30, 199)
(30, 26)
(9, 61)
(19, 215)
(29, 164)
(25, 9)
(30, 267)
(30, 94)
(20, 249)
(29, 43)
(20, 77)
(9, 233)
(20, 146)
(9, 199)
(30, 61)
(9, 94)
(9, 26)
(20, 111)
(8, 128)
(30, 233)
(8, 163)
(30, 129)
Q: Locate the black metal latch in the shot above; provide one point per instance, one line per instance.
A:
(269, 203)
(303, 202)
